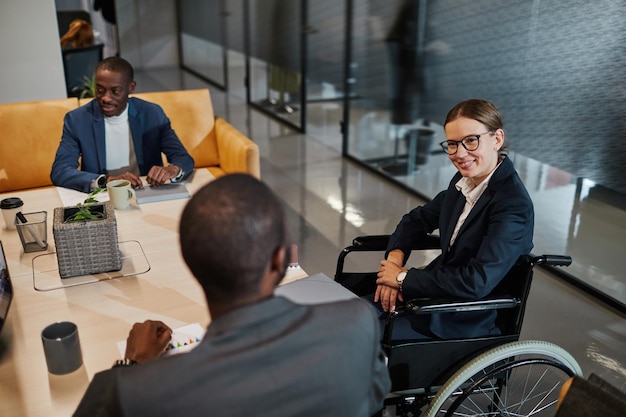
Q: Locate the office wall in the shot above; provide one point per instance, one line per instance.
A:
(31, 67)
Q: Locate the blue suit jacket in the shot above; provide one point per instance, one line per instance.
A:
(498, 230)
(83, 136)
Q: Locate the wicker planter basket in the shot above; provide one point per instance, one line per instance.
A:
(87, 246)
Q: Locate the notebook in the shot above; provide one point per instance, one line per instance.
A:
(6, 289)
(171, 191)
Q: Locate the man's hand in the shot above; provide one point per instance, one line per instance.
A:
(134, 180)
(159, 175)
(147, 340)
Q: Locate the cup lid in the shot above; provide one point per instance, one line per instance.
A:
(11, 203)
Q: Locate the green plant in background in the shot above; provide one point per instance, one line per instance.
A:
(85, 209)
(89, 87)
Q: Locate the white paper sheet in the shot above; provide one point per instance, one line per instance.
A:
(184, 339)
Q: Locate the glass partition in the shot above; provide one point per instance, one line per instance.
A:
(325, 60)
(274, 39)
(390, 127)
(203, 43)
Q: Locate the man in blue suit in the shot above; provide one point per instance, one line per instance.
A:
(485, 220)
(117, 137)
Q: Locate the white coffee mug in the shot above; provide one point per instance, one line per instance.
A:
(120, 193)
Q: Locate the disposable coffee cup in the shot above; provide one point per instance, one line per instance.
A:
(61, 347)
(120, 193)
(9, 207)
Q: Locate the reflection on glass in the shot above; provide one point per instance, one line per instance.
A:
(275, 57)
(202, 39)
(203, 57)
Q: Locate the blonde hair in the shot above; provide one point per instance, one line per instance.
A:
(80, 34)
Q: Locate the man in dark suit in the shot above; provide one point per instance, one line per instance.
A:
(117, 137)
(262, 355)
(485, 220)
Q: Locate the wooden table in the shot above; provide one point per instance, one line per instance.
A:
(104, 311)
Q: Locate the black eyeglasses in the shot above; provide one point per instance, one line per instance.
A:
(469, 142)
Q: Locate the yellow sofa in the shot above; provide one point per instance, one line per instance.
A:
(30, 133)
(29, 137)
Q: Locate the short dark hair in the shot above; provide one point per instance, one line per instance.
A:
(229, 231)
(117, 64)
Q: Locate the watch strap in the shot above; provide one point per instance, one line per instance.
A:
(124, 362)
(400, 279)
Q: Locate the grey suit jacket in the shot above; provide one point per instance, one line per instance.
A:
(273, 358)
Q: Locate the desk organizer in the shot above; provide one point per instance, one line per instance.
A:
(87, 246)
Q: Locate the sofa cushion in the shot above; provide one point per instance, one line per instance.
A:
(30, 135)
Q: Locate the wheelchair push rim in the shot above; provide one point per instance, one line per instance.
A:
(515, 379)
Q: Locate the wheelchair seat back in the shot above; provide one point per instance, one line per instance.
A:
(429, 363)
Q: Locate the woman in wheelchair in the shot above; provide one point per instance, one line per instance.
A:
(485, 220)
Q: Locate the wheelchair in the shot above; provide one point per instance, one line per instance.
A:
(483, 376)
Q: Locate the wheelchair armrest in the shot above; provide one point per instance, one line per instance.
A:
(371, 242)
(429, 305)
(379, 242)
(551, 260)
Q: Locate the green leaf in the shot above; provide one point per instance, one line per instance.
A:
(89, 87)
(84, 211)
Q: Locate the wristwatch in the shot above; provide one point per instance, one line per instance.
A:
(99, 182)
(400, 278)
(124, 362)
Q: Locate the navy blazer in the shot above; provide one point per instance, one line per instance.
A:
(498, 230)
(83, 136)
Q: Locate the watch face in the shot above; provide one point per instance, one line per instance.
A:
(102, 181)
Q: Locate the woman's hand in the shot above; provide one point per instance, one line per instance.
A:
(388, 297)
(387, 291)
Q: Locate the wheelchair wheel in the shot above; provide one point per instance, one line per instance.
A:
(515, 379)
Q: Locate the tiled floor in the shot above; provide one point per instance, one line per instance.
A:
(330, 200)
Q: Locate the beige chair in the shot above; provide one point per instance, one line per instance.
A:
(30, 133)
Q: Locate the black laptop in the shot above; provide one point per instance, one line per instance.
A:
(6, 289)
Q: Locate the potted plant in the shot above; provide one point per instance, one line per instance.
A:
(85, 237)
(90, 209)
(88, 89)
